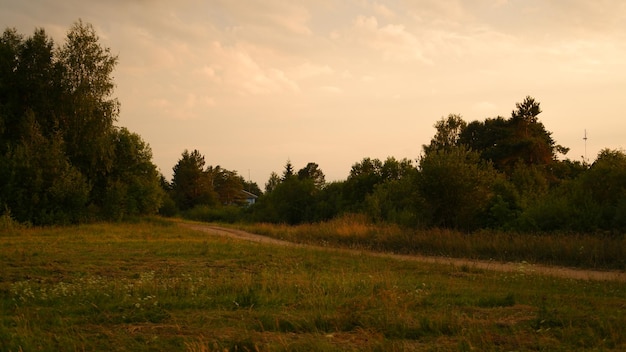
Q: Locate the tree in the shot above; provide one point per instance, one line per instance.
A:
(133, 184)
(330, 201)
(227, 185)
(10, 51)
(38, 82)
(288, 171)
(39, 184)
(398, 200)
(364, 176)
(448, 134)
(606, 182)
(393, 170)
(456, 186)
(292, 202)
(313, 172)
(272, 182)
(507, 142)
(60, 153)
(486, 138)
(191, 185)
(90, 111)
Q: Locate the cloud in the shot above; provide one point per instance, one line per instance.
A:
(182, 105)
(266, 15)
(382, 10)
(310, 70)
(331, 89)
(239, 70)
(393, 41)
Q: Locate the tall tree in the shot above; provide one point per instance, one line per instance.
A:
(312, 172)
(606, 182)
(60, 153)
(10, 51)
(133, 184)
(364, 176)
(288, 171)
(530, 142)
(90, 109)
(227, 184)
(507, 142)
(38, 81)
(191, 185)
(447, 135)
(394, 169)
(272, 182)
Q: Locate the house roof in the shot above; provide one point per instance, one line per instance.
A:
(248, 194)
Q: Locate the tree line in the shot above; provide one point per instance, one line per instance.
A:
(63, 160)
(500, 173)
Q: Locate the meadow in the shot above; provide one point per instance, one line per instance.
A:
(154, 285)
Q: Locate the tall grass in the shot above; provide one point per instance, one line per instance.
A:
(155, 286)
(595, 251)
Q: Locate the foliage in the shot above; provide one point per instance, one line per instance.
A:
(520, 139)
(273, 181)
(292, 202)
(191, 185)
(194, 186)
(313, 172)
(88, 111)
(221, 214)
(132, 184)
(496, 174)
(62, 161)
(399, 201)
(61, 158)
(457, 187)
(448, 134)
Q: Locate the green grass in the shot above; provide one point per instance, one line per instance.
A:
(589, 251)
(155, 286)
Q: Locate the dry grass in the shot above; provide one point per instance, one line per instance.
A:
(589, 251)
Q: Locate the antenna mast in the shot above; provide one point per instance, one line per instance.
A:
(585, 139)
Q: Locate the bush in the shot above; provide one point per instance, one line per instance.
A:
(228, 214)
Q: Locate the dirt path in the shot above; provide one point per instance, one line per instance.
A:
(562, 272)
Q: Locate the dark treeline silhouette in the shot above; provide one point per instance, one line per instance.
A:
(63, 160)
(500, 173)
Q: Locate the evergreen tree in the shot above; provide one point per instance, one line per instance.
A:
(191, 185)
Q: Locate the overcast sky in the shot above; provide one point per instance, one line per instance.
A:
(251, 84)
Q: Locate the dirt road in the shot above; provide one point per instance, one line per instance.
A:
(562, 272)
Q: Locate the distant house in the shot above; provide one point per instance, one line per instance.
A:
(250, 198)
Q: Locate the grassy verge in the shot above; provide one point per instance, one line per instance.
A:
(156, 286)
(590, 251)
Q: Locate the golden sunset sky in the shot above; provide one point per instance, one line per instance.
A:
(251, 84)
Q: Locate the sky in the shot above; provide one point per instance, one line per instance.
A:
(252, 84)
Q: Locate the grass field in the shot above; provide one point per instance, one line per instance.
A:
(597, 251)
(156, 286)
